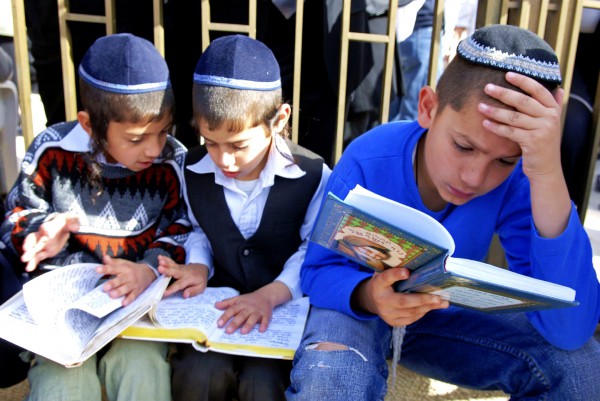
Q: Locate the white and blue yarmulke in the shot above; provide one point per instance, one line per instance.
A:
(238, 62)
(511, 48)
(124, 63)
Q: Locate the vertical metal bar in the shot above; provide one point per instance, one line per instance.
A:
(22, 68)
(388, 67)
(252, 19)
(68, 71)
(159, 26)
(341, 111)
(297, 70)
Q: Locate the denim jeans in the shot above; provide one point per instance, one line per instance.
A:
(130, 370)
(466, 348)
(414, 65)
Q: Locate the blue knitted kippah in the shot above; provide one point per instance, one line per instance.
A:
(124, 63)
(238, 62)
(510, 48)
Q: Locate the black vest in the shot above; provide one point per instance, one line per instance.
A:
(248, 265)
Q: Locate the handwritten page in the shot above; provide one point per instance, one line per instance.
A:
(284, 332)
(18, 327)
(51, 294)
(197, 312)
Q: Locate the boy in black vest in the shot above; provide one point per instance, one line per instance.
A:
(252, 197)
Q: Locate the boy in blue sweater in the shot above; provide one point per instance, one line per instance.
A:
(483, 158)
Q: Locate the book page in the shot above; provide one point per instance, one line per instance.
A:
(115, 322)
(495, 275)
(281, 339)
(97, 302)
(199, 312)
(18, 327)
(51, 294)
(475, 298)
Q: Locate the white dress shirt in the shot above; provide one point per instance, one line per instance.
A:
(247, 209)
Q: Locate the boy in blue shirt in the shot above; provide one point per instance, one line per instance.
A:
(483, 158)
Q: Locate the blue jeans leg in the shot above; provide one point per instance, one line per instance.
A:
(358, 373)
(458, 346)
(505, 352)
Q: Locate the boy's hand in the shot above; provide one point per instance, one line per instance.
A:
(49, 240)
(245, 311)
(190, 278)
(535, 124)
(129, 279)
(376, 295)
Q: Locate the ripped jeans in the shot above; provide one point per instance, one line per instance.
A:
(466, 348)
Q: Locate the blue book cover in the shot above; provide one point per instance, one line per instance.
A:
(358, 228)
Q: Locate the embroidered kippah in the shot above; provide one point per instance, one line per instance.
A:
(238, 62)
(510, 48)
(124, 63)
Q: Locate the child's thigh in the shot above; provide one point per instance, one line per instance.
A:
(135, 369)
(50, 381)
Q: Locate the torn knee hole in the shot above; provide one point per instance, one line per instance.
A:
(327, 346)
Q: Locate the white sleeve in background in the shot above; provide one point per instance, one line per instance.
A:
(290, 275)
(198, 250)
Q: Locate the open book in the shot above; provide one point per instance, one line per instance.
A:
(194, 320)
(64, 315)
(379, 233)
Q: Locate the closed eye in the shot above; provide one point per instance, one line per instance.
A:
(461, 148)
(508, 162)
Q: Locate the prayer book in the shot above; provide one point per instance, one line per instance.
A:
(194, 321)
(379, 233)
(65, 316)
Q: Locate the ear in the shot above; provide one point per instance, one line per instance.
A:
(84, 120)
(428, 102)
(283, 115)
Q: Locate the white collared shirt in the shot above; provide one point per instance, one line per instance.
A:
(246, 210)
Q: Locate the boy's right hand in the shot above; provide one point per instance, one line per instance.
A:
(49, 240)
(190, 278)
(377, 295)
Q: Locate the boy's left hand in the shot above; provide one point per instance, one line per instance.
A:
(190, 278)
(129, 279)
(535, 124)
(244, 312)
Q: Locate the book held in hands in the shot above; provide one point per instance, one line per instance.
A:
(379, 233)
(65, 316)
(194, 320)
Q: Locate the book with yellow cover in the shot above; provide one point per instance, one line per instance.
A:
(194, 321)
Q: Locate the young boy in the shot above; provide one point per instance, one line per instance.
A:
(106, 189)
(483, 158)
(252, 198)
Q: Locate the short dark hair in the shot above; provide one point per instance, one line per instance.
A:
(462, 82)
(104, 107)
(238, 109)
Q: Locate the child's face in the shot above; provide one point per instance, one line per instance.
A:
(136, 145)
(463, 160)
(240, 155)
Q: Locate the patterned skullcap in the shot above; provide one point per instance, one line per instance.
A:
(510, 48)
(124, 63)
(238, 62)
